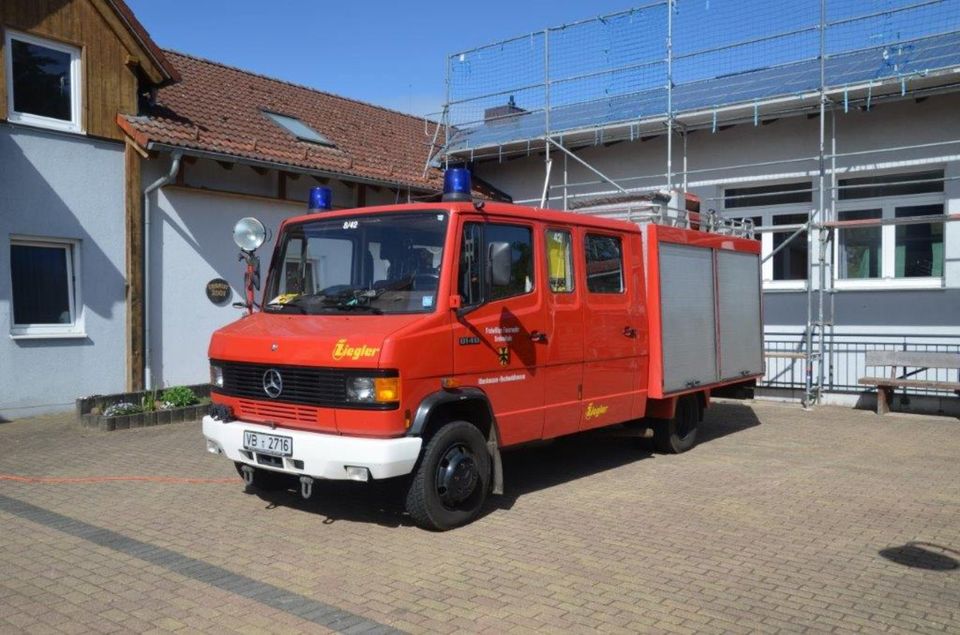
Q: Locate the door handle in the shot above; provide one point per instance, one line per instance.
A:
(538, 336)
(629, 331)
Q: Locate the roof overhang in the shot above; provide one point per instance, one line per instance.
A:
(284, 167)
(151, 61)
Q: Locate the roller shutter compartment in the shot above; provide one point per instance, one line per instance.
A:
(688, 316)
(741, 339)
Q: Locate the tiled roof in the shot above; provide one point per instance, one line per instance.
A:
(220, 109)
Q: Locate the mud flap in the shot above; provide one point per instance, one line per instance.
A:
(493, 447)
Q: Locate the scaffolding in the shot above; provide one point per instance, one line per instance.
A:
(671, 67)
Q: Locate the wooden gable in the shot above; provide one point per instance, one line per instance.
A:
(113, 60)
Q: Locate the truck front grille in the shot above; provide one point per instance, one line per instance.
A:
(306, 385)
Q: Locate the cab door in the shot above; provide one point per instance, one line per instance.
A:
(611, 370)
(499, 334)
(563, 369)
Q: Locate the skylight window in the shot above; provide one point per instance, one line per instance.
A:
(298, 129)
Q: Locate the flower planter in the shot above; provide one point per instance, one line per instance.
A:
(90, 410)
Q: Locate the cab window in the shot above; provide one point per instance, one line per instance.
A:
(604, 264)
(480, 241)
(560, 260)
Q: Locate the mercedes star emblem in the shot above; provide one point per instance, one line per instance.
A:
(272, 383)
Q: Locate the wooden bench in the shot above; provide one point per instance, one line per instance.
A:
(908, 359)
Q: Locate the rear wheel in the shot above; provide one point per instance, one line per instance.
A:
(452, 479)
(265, 480)
(679, 434)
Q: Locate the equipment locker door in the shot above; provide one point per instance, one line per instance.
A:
(563, 370)
(500, 345)
(611, 369)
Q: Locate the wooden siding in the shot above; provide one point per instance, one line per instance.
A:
(109, 82)
(134, 255)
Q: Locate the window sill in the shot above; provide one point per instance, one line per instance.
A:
(889, 284)
(62, 335)
(45, 123)
(784, 285)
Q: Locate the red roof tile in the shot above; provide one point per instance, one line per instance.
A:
(217, 108)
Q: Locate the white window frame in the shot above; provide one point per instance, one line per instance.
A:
(767, 214)
(75, 329)
(888, 243)
(76, 85)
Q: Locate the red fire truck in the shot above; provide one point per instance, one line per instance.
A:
(419, 340)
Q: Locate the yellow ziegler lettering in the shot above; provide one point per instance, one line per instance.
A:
(595, 411)
(342, 350)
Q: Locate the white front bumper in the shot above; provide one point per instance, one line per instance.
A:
(323, 455)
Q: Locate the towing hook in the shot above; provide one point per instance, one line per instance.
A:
(306, 486)
(247, 475)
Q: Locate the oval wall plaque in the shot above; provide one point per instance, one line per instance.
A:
(219, 291)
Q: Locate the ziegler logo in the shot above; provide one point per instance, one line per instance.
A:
(342, 350)
(595, 411)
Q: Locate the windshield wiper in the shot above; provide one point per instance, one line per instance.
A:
(287, 307)
(355, 307)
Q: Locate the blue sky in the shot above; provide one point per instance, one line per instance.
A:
(388, 53)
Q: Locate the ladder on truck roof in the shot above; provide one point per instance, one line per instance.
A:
(664, 208)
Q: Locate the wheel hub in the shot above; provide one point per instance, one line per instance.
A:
(457, 476)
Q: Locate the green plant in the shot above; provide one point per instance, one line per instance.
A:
(178, 397)
(149, 401)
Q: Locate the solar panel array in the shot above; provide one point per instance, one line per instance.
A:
(614, 70)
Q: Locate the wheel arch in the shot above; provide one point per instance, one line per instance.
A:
(468, 404)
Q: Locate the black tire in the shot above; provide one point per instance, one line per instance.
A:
(679, 434)
(452, 479)
(265, 480)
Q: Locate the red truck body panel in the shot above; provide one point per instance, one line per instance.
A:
(550, 363)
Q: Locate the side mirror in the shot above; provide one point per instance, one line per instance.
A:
(499, 262)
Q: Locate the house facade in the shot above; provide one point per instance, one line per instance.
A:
(64, 76)
(123, 169)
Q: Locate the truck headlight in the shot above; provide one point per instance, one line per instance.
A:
(373, 389)
(216, 376)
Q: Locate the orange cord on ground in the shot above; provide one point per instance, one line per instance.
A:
(102, 479)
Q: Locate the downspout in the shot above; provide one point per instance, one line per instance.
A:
(156, 185)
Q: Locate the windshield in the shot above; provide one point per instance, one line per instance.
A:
(382, 263)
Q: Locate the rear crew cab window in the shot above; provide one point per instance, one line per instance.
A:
(560, 261)
(475, 274)
(604, 257)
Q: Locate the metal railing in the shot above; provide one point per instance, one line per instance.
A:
(845, 357)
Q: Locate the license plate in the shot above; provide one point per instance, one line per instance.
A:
(267, 443)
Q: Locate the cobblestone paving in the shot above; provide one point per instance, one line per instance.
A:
(832, 520)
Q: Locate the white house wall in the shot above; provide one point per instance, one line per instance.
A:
(64, 186)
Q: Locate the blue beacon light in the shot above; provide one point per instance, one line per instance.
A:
(321, 199)
(456, 185)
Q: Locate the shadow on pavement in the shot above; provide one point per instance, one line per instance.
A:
(922, 555)
(526, 469)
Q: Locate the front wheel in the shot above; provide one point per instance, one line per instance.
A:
(679, 434)
(452, 479)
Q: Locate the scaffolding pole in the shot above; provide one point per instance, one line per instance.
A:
(670, 5)
(547, 163)
(810, 396)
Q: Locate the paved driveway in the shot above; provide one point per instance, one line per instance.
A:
(780, 520)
